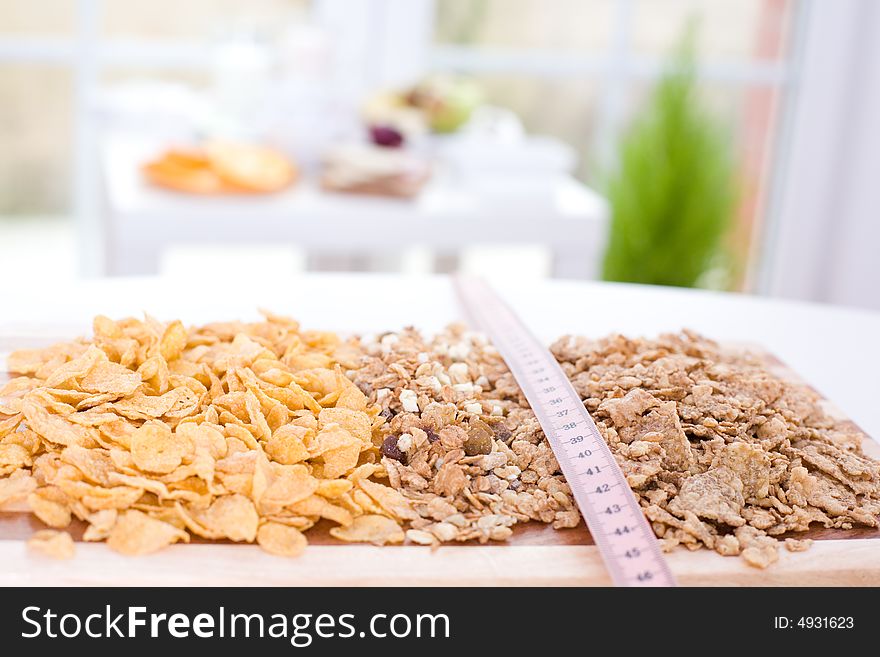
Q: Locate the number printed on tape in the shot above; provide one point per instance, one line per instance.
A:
(625, 540)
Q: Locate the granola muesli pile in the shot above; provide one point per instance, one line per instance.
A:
(721, 453)
(461, 442)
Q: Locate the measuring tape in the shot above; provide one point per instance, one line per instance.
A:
(625, 540)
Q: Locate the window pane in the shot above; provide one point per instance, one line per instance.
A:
(745, 29)
(564, 109)
(748, 113)
(37, 17)
(724, 101)
(576, 25)
(36, 133)
(198, 19)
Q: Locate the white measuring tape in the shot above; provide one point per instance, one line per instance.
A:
(612, 513)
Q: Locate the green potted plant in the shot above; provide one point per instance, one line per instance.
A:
(673, 190)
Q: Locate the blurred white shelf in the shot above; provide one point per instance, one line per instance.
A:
(450, 214)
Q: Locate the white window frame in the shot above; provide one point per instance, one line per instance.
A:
(618, 67)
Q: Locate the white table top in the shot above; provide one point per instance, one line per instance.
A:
(444, 197)
(837, 350)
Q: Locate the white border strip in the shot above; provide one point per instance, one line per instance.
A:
(827, 563)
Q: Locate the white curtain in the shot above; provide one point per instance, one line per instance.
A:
(822, 241)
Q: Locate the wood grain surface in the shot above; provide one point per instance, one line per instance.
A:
(536, 554)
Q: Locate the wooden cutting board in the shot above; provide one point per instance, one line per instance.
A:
(536, 555)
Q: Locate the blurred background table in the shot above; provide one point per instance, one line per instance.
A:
(451, 213)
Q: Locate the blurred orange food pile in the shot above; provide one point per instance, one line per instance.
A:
(221, 168)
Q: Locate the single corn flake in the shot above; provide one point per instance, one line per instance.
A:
(16, 486)
(231, 516)
(282, 540)
(100, 524)
(155, 449)
(286, 445)
(319, 507)
(332, 488)
(338, 449)
(391, 501)
(13, 457)
(108, 377)
(378, 530)
(49, 504)
(135, 533)
(357, 423)
(54, 428)
(290, 484)
(173, 341)
(26, 361)
(52, 543)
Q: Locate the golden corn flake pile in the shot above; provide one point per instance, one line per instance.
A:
(152, 433)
